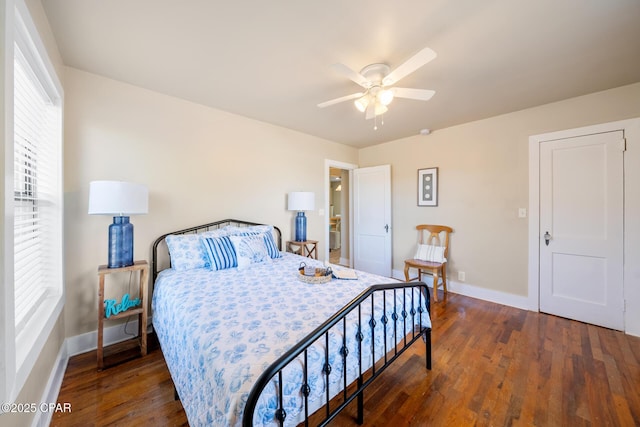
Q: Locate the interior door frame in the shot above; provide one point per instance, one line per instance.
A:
(534, 197)
(328, 164)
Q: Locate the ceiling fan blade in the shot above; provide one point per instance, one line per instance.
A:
(341, 99)
(352, 75)
(412, 64)
(407, 92)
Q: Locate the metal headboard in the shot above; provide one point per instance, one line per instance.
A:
(160, 256)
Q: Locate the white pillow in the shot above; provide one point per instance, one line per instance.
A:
(430, 253)
(186, 252)
(250, 250)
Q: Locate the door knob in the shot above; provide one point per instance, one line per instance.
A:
(386, 227)
(547, 237)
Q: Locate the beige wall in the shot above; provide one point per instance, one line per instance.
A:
(200, 165)
(483, 180)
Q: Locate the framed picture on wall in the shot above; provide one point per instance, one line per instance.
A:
(428, 187)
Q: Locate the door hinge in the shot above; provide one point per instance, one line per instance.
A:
(623, 144)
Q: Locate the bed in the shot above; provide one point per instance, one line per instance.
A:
(248, 343)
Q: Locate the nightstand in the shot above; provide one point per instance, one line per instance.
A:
(308, 248)
(140, 269)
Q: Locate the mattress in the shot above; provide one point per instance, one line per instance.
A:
(219, 330)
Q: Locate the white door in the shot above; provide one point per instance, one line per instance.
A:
(372, 219)
(581, 228)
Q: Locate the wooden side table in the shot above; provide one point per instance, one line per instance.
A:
(308, 248)
(143, 268)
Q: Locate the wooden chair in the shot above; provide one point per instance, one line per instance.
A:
(433, 235)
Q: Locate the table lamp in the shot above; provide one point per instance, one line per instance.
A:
(119, 199)
(301, 201)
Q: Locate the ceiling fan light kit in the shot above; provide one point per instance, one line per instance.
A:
(378, 80)
(385, 96)
(362, 103)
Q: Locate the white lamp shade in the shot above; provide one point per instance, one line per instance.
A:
(301, 201)
(117, 198)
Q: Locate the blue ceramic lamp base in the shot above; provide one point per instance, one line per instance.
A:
(120, 242)
(301, 227)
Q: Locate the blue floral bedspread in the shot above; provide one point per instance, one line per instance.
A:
(219, 330)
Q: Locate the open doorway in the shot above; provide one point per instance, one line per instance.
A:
(338, 238)
(338, 208)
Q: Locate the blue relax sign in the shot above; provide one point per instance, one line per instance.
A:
(111, 308)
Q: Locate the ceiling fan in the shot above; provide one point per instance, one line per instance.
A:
(378, 81)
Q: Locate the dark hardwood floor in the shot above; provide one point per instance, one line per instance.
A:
(492, 366)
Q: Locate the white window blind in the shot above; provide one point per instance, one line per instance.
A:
(37, 191)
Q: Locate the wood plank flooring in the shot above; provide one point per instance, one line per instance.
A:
(492, 366)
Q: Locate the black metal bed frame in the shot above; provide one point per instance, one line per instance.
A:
(412, 308)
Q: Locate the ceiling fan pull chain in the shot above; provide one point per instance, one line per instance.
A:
(375, 121)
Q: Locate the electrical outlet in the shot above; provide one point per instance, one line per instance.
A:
(522, 212)
(461, 276)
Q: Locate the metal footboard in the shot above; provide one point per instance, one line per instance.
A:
(402, 322)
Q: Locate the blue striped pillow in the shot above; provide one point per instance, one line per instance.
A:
(220, 251)
(270, 243)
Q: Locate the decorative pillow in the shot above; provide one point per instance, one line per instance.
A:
(270, 243)
(186, 250)
(249, 250)
(220, 252)
(265, 230)
(430, 253)
(234, 229)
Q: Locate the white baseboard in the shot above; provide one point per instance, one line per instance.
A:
(52, 389)
(472, 291)
(111, 335)
(498, 297)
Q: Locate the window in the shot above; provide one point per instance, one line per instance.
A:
(33, 210)
(37, 208)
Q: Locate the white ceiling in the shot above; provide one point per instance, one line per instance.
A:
(271, 60)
